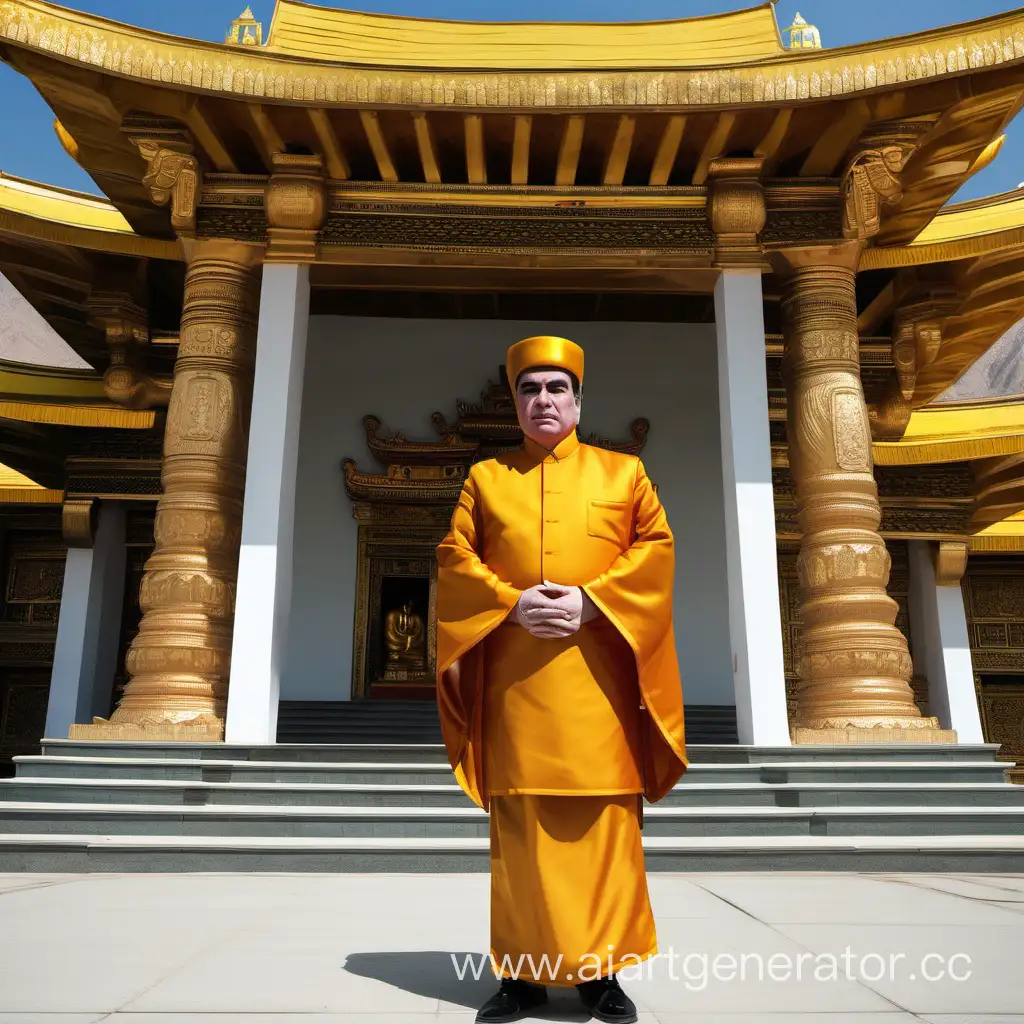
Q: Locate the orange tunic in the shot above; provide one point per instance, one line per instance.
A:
(548, 716)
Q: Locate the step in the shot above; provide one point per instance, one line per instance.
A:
(725, 753)
(105, 853)
(690, 794)
(431, 822)
(413, 772)
(275, 752)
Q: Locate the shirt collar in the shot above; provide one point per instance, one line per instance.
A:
(565, 449)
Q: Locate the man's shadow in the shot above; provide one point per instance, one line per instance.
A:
(432, 974)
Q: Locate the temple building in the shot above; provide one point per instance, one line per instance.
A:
(242, 389)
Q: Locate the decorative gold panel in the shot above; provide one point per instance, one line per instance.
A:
(994, 597)
(33, 571)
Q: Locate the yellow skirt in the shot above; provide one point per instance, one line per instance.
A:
(569, 898)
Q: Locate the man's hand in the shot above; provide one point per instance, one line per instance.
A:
(552, 610)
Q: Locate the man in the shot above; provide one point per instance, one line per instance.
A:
(559, 691)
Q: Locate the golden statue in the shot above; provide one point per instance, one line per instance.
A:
(405, 636)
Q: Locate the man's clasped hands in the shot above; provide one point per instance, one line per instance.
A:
(553, 610)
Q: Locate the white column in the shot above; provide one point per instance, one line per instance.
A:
(263, 595)
(755, 622)
(941, 647)
(89, 627)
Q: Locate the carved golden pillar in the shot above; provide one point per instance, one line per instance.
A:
(854, 665)
(179, 661)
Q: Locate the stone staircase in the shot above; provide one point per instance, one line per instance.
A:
(416, 721)
(378, 807)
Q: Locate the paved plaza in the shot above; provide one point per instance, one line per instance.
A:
(807, 948)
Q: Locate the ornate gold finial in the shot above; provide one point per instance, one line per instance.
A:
(801, 36)
(245, 30)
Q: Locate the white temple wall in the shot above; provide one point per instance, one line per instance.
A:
(402, 370)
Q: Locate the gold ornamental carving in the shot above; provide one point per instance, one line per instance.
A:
(179, 661)
(871, 181)
(125, 322)
(916, 341)
(172, 178)
(853, 664)
(950, 560)
(296, 205)
(78, 522)
(136, 54)
(736, 210)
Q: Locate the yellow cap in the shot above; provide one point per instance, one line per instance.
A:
(544, 350)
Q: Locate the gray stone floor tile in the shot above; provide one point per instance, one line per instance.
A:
(969, 888)
(847, 899)
(678, 896)
(272, 968)
(725, 966)
(27, 880)
(990, 973)
(973, 1018)
(1000, 880)
(788, 1018)
(52, 1018)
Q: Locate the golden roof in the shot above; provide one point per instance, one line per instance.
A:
(326, 34)
(60, 205)
(35, 210)
(665, 63)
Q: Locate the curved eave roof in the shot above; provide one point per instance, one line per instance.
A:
(60, 215)
(551, 77)
(944, 434)
(958, 231)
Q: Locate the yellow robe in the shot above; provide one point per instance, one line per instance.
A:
(598, 714)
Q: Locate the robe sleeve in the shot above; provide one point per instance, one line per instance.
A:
(471, 601)
(635, 594)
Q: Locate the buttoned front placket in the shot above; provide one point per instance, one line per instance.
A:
(552, 464)
(549, 502)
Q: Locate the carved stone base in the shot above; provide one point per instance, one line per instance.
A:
(879, 734)
(204, 729)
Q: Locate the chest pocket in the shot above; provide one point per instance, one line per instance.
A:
(610, 520)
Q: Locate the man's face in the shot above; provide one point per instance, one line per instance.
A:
(546, 406)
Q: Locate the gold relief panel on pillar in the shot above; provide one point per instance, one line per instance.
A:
(163, 588)
(187, 528)
(201, 415)
(850, 431)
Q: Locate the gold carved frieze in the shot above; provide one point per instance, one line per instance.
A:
(516, 229)
(258, 72)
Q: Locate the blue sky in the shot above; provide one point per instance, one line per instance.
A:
(29, 148)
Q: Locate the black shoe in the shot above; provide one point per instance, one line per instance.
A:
(513, 1001)
(605, 1000)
